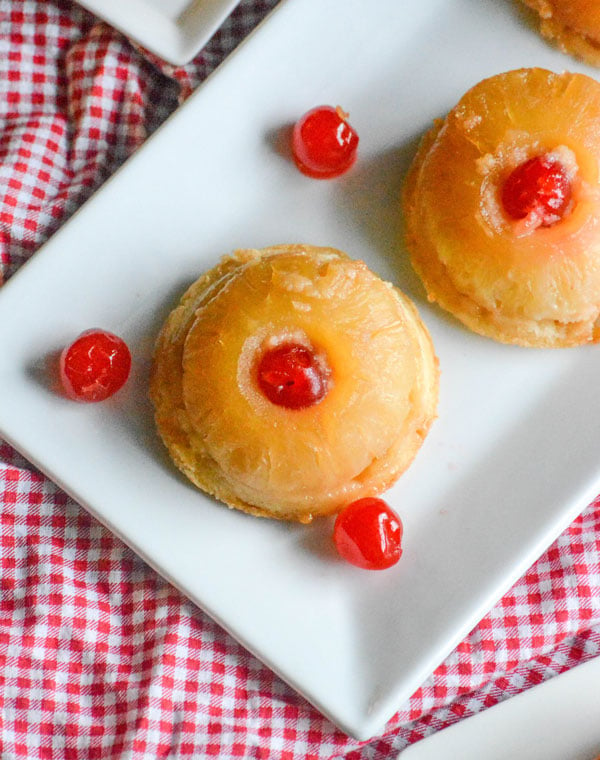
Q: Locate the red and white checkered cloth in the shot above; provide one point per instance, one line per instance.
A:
(100, 657)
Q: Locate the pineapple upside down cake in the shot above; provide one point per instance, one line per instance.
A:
(292, 380)
(574, 25)
(502, 209)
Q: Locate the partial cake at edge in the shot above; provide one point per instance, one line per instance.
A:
(573, 25)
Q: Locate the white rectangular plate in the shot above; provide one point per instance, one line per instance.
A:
(173, 29)
(556, 720)
(510, 462)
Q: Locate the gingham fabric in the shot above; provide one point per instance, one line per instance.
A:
(100, 657)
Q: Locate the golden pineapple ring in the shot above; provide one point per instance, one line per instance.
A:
(574, 25)
(528, 285)
(254, 455)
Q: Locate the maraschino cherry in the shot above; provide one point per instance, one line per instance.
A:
(368, 534)
(94, 366)
(539, 188)
(292, 375)
(324, 144)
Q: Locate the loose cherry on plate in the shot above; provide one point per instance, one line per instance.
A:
(324, 144)
(368, 533)
(540, 187)
(94, 366)
(292, 375)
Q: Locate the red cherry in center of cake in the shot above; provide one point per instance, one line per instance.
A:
(540, 187)
(292, 375)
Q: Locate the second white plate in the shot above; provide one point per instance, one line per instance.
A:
(556, 720)
(175, 30)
